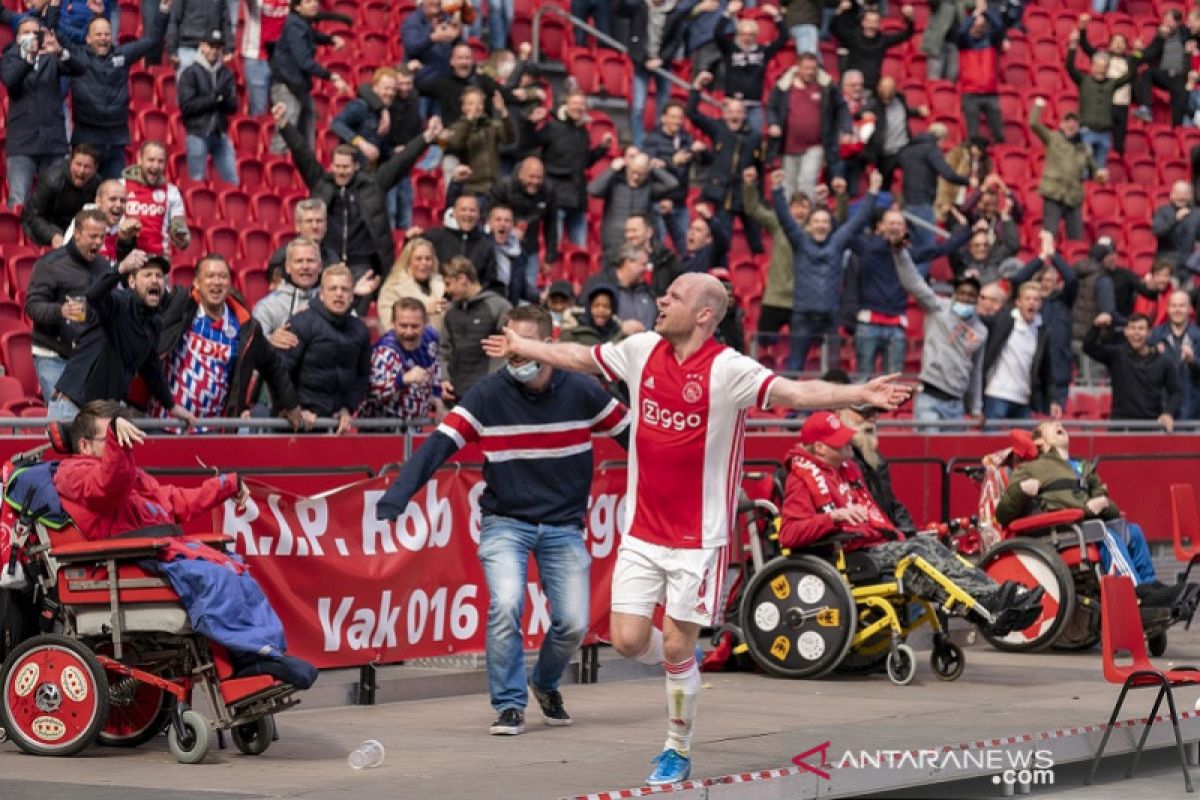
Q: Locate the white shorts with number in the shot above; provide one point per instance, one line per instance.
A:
(687, 581)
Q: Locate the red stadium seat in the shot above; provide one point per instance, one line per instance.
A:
(202, 204)
(1135, 204)
(16, 352)
(375, 48)
(247, 137)
(10, 228)
(1143, 171)
(582, 65)
(256, 247)
(143, 89)
(270, 211)
(616, 74)
(1140, 237)
(1172, 170)
(235, 206)
(252, 175)
(254, 285)
(183, 276)
(1102, 203)
(223, 239)
(554, 37)
(20, 270)
(155, 126)
(283, 175)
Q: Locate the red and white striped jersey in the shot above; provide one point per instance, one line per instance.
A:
(685, 449)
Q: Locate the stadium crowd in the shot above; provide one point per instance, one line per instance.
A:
(269, 207)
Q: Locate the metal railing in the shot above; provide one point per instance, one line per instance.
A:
(607, 40)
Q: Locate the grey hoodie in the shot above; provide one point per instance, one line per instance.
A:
(281, 305)
(952, 356)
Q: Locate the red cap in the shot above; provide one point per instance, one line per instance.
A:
(825, 427)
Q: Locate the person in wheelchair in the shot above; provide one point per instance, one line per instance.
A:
(1055, 481)
(105, 493)
(825, 495)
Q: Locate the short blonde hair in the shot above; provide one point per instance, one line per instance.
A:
(337, 271)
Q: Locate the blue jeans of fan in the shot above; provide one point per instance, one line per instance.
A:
(505, 545)
(879, 342)
(217, 145)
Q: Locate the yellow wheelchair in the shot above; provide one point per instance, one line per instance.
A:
(807, 613)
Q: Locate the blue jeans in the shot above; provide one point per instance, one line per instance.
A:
(258, 85)
(597, 10)
(21, 170)
(505, 545)
(641, 85)
(884, 342)
(400, 203)
(673, 224)
(49, 370)
(1126, 545)
(754, 117)
(1105, 6)
(500, 17)
(807, 39)
(997, 408)
(809, 328)
(217, 145)
(112, 161)
(1100, 142)
(62, 409)
(928, 408)
(187, 56)
(574, 223)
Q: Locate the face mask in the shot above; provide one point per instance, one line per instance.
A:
(963, 310)
(526, 372)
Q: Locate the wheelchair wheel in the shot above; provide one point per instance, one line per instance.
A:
(1031, 563)
(253, 738)
(798, 617)
(902, 665)
(137, 712)
(55, 696)
(947, 660)
(191, 747)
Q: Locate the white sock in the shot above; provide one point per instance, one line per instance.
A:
(683, 690)
(652, 654)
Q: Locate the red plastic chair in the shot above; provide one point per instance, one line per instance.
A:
(582, 65)
(270, 211)
(254, 285)
(252, 175)
(11, 390)
(247, 137)
(257, 246)
(235, 207)
(202, 204)
(1121, 633)
(1185, 526)
(17, 353)
(10, 228)
(616, 75)
(183, 277)
(223, 239)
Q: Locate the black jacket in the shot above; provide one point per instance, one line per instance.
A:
(360, 117)
(331, 366)
(369, 190)
(874, 150)
(254, 353)
(294, 59)
(879, 484)
(55, 202)
(1000, 327)
(567, 156)
(100, 94)
(206, 99)
(534, 210)
(661, 146)
(465, 325)
(475, 245)
(35, 124)
(119, 342)
(59, 273)
(190, 21)
(1144, 386)
(863, 54)
(923, 163)
(732, 153)
(448, 90)
(835, 118)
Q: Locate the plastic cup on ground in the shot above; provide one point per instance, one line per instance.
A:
(368, 754)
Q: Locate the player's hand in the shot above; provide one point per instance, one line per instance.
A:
(503, 345)
(127, 433)
(886, 391)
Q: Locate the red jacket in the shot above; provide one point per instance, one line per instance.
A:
(815, 490)
(109, 496)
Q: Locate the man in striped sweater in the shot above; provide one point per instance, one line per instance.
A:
(534, 425)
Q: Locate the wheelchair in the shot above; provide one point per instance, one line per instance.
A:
(99, 649)
(810, 612)
(1059, 551)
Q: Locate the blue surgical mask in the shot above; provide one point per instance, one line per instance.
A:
(963, 310)
(526, 372)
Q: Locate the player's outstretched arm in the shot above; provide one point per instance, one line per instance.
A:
(885, 391)
(560, 355)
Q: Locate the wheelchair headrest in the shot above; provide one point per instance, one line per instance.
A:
(59, 435)
(1022, 444)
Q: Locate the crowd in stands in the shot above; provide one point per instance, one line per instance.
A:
(235, 207)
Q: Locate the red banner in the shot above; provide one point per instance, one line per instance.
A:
(352, 589)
